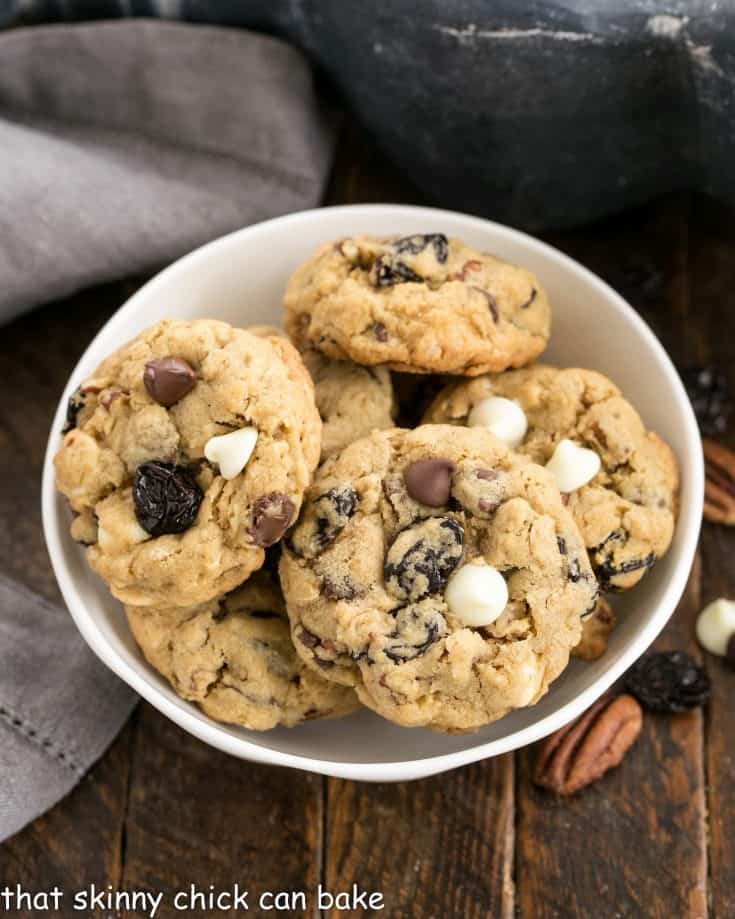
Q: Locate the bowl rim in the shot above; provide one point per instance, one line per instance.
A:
(212, 732)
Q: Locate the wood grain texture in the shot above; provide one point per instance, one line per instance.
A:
(633, 844)
(712, 284)
(435, 848)
(80, 841)
(197, 816)
(161, 810)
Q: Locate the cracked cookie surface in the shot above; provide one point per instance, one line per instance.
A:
(421, 303)
(125, 447)
(627, 512)
(233, 656)
(384, 527)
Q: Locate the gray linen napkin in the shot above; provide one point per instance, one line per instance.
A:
(59, 706)
(123, 145)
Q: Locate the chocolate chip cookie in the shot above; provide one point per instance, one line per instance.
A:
(186, 454)
(421, 303)
(626, 510)
(439, 574)
(233, 656)
(353, 401)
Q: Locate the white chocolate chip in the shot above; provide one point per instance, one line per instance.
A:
(502, 417)
(231, 451)
(476, 594)
(716, 626)
(573, 466)
(528, 678)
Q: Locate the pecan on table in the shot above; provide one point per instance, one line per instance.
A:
(584, 750)
(719, 489)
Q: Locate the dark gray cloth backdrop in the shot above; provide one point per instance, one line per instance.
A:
(534, 112)
(123, 145)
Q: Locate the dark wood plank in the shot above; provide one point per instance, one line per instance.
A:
(712, 280)
(438, 847)
(78, 842)
(634, 844)
(197, 816)
(363, 175)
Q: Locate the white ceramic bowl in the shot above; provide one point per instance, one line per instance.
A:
(240, 278)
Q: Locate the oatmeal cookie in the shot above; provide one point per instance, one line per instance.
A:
(353, 401)
(421, 304)
(439, 574)
(233, 656)
(187, 454)
(626, 512)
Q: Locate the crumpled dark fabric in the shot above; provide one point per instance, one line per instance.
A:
(532, 112)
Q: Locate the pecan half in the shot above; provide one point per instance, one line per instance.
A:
(719, 489)
(584, 750)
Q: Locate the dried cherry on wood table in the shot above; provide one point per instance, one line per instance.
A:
(161, 811)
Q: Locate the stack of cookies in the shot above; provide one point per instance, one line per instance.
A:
(285, 552)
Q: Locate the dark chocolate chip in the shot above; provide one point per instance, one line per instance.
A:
(272, 515)
(429, 481)
(422, 557)
(168, 379)
(166, 498)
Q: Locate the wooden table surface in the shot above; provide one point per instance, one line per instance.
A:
(162, 810)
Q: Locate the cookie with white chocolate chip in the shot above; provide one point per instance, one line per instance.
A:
(420, 303)
(186, 454)
(233, 656)
(620, 480)
(439, 574)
